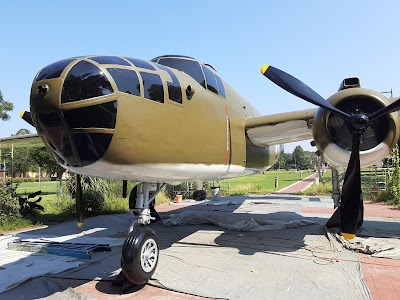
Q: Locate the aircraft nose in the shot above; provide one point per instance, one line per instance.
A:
(74, 108)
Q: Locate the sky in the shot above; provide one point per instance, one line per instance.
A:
(319, 42)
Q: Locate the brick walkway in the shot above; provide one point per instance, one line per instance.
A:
(371, 210)
(382, 276)
(298, 186)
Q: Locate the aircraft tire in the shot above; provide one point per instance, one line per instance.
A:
(140, 254)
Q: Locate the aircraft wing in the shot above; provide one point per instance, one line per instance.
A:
(26, 140)
(280, 128)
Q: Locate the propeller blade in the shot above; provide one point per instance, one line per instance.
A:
(27, 117)
(79, 201)
(385, 110)
(351, 208)
(299, 89)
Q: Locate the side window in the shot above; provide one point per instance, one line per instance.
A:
(153, 88)
(221, 88)
(126, 80)
(211, 81)
(190, 67)
(174, 88)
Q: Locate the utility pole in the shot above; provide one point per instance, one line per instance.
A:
(12, 162)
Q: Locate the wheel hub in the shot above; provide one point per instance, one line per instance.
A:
(149, 255)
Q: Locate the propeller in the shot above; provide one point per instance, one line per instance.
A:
(349, 216)
(385, 110)
(79, 201)
(27, 117)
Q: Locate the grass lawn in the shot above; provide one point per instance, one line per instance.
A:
(263, 183)
(59, 207)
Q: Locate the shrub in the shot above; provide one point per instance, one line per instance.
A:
(88, 183)
(9, 205)
(392, 194)
(94, 201)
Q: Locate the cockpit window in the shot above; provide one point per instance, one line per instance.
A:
(85, 81)
(221, 88)
(153, 88)
(140, 63)
(127, 81)
(174, 88)
(54, 70)
(211, 81)
(190, 67)
(107, 60)
(214, 83)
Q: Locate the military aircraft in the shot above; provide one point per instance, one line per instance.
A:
(174, 119)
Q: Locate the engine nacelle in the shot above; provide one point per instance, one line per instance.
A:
(334, 140)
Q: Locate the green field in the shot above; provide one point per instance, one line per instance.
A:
(262, 183)
(59, 206)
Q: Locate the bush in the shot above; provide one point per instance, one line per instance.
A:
(392, 193)
(94, 201)
(88, 183)
(9, 205)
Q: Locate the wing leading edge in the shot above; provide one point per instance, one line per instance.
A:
(280, 128)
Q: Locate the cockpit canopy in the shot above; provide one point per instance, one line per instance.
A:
(203, 74)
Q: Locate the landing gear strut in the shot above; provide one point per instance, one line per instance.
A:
(140, 250)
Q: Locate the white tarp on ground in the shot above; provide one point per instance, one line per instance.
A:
(283, 263)
(296, 263)
(369, 242)
(236, 223)
(19, 266)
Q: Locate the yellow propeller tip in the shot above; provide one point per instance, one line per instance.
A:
(348, 236)
(264, 68)
(80, 224)
(21, 114)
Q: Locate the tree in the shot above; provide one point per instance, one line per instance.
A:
(22, 131)
(284, 161)
(22, 162)
(298, 156)
(44, 159)
(302, 159)
(5, 107)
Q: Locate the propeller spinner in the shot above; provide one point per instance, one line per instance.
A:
(349, 216)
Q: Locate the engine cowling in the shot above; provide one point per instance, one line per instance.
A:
(334, 140)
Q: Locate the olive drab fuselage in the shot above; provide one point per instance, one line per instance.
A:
(172, 119)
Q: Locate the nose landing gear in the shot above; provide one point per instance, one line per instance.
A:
(140, 255)
(140, 251)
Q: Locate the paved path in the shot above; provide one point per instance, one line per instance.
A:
(298, 186)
